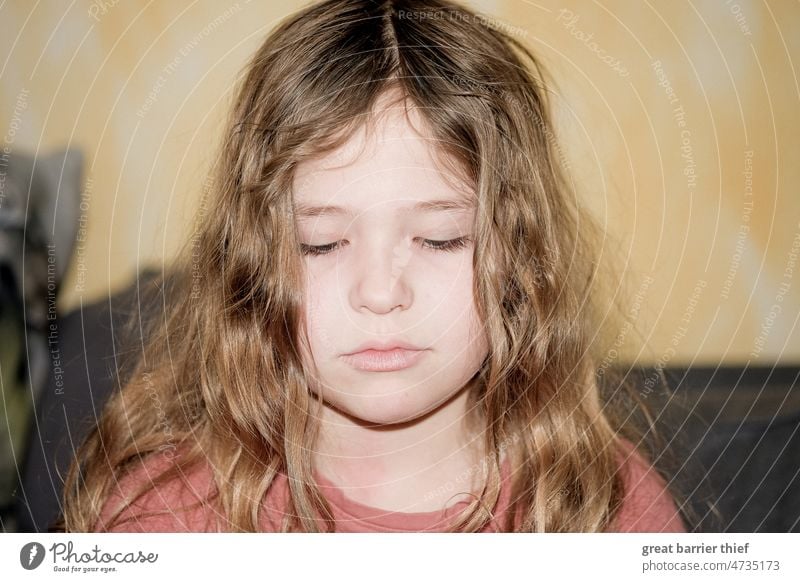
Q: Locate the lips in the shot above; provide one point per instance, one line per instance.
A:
(388, 355)
(384, 346)
(391, 360)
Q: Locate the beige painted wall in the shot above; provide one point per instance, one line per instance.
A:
(662, 107)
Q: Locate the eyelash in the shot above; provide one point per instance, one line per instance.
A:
(449, 246)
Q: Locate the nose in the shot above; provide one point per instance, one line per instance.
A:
(381, 278)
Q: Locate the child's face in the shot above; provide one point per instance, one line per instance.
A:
(382, 279)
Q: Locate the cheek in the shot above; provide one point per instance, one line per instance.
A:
(457, 313)
(468, 331)
(455, 290)
(318, 313)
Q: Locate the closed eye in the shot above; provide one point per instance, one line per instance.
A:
(317, 250)
(447, 245)
(451, 245)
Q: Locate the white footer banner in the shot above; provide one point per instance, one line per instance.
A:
(391, 556)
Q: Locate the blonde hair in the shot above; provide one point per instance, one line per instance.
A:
(224, 367)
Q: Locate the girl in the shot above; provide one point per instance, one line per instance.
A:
(392, 327)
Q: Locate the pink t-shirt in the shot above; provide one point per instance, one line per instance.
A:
(648, 507)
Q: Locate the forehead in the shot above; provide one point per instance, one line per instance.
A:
(392, 164)
(447, 205)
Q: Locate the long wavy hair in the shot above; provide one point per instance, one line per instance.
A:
(222, 370)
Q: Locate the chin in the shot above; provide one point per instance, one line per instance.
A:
(385, 409)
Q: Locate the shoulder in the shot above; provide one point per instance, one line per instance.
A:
(648, 506)
(186, 502)
(180, 504)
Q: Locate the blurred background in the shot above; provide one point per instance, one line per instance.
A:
(678, 121)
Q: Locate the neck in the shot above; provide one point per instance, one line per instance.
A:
(422, 465)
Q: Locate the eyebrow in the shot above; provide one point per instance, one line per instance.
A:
(306, 211)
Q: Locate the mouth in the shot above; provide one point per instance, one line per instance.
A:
(389, 360)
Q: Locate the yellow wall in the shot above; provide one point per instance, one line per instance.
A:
(713, 255)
